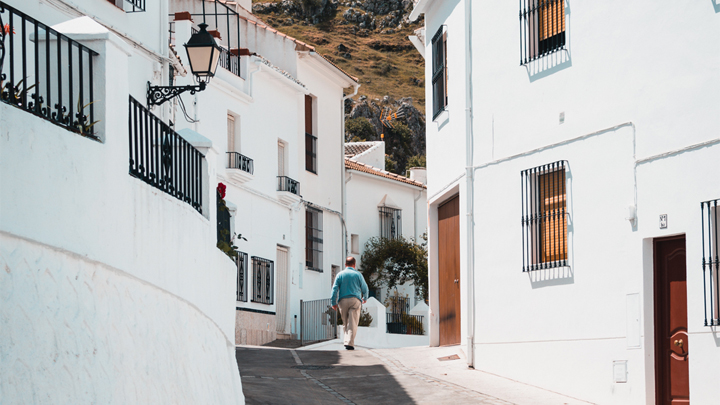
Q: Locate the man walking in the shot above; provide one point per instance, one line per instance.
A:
(351, 287)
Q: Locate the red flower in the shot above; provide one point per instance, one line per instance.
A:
(221, 190)
(7, 29)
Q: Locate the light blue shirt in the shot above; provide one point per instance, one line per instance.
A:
(349, 283)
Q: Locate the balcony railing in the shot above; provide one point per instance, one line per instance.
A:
(710, 225)
(285, 183)
(230, 61)
(162, 158)
(241, 162)
(46, 73)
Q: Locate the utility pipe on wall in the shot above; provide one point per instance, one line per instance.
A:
(469, 188)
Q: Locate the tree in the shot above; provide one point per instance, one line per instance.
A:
(416, 161)
(392, 262)
(359, 128)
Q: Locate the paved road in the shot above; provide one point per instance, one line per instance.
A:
(287, 376)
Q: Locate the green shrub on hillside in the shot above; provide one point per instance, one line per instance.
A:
(359, 128)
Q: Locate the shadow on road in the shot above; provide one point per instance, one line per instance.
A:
(273, 376)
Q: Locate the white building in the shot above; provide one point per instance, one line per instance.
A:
(382, 204)
(276, 120)
(566, 233)
(112, 275)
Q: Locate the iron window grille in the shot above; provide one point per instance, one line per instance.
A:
(439, 72)
(544, 216)
(390, 222)
(242, 276)
(162, 158)
(711, 261)
(311, 153)
(46, 73)
(240, 162)
(542, 28)
(285, 183)
(313, 239)
(263, 279)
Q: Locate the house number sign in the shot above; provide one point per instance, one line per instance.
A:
(663, 221)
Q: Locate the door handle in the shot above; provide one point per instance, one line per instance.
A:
(678, 343)
(457, 281)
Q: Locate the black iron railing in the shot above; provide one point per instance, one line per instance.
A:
(242, 276)
(162, 158)
(544, 222)
(136, 6)
(542, 28)
(285, 183)
(241, 162)
(390, 222)
(311, 153)
(313, 239)
(709, 212)
(263, 279)
(318, 321)
(230, 61)
(46, 73)
(404, 324)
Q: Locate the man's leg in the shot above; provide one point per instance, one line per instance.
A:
(344, 305)
(351, 319)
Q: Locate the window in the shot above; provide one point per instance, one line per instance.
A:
(390, 223)
(334, 272)
(262, 280)
(542, 28)
(711, 260)
(355, 244)
(310, 138)
(281, 159)
(233, 142)
(544, 223)
(313, 239)
(439, 71)
(242, 265)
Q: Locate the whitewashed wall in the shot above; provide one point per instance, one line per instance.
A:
(543, 328)
(364, 194)
(69, 202)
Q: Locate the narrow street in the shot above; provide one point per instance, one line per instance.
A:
(326, 374)
(287, 376)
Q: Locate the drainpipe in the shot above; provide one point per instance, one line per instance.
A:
(343, 203)
(469, 188)
(249, 90)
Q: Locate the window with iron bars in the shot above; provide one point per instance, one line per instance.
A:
(263, 279)
(390, 222)
(313, 239)
(439, 72)
(542, 28)
(711, 260)
(544, 217)
(242, 279)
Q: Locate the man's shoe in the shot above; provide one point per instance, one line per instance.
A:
(349, 347)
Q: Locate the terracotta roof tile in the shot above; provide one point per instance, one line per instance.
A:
(362, 167)
(353, 149)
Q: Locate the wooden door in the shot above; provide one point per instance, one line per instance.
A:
(449, 271)
(672, 384)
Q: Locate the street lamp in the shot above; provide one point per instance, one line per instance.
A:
(203, 55)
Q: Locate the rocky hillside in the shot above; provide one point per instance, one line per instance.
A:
(368, 39)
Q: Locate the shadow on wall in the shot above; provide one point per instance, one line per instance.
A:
(551, 277)
(716, 5)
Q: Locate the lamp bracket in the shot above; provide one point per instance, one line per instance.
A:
(157, 95)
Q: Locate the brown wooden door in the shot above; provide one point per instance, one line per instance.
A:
(671, 338)
(449, 271)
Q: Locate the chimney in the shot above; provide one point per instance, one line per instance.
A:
(418, 174)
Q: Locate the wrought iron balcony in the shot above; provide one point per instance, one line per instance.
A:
(230, 61)
(285, 183)
(240, 162)
(162, 158)
(46, 73)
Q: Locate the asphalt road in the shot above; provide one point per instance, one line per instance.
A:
(287, 376)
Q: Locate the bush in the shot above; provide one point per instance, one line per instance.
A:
(359, 130)
(365, 318)
(416, 161)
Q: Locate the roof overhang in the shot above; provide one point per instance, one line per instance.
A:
(420, 7)
(322, 64)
